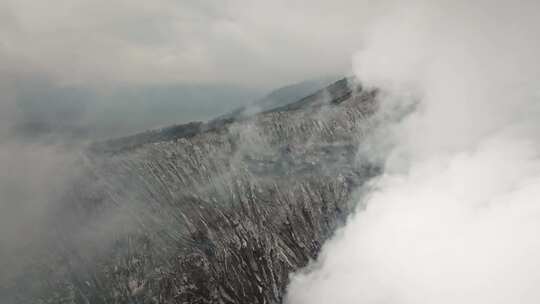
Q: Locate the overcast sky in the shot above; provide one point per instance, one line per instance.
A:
(256, 43)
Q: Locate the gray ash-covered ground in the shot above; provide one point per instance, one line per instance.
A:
(217, 212)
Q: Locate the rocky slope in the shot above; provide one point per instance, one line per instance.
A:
(216, 212)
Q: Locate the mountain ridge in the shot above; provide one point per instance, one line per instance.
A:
(223, 214)
(337, 88)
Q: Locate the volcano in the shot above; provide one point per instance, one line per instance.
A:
(213, 212)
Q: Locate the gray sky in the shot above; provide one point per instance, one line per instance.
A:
(256, 43)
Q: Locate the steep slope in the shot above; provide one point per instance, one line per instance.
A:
(217, 212)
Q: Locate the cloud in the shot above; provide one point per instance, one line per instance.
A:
(454, 218)
(244, 42)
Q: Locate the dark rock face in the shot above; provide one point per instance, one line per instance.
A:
(217, 212)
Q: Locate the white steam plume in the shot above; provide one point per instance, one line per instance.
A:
(456, 216)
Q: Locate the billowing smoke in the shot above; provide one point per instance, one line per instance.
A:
(456, 215)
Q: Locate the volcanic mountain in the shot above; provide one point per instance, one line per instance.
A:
(212, 212)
